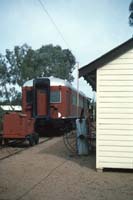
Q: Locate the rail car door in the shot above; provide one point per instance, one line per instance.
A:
(41, 105)
(42, 102)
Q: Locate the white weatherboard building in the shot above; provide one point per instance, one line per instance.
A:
(112, 77)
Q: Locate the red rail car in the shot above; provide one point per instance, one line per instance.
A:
(53, 103)
(48, 104)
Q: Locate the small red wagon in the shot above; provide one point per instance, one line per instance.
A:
(18, 126)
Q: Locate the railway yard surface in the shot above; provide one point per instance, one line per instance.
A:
(12, 149)
(49, 172)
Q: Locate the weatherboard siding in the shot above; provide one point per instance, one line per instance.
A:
(115, 113)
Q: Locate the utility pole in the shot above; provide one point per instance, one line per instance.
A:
(77, 89)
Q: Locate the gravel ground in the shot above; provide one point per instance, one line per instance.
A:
(48, 172)
(7, 151)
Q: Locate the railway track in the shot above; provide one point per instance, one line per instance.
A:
(12, 149)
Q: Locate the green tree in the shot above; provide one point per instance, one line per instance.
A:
(16, 64)
(24, 63)
(5, 80)
(55, 61)
(8, 90)
(131, 13)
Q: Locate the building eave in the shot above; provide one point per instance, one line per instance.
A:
(90, 68)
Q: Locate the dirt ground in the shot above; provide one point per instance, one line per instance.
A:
(48, 172)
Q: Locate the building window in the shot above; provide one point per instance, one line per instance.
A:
(55, 97)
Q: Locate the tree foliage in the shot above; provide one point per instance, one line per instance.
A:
(24, 63)
(7, 88)
(131, 13)
(55, 61)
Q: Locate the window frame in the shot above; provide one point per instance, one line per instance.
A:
(29, 96)
(59, 96)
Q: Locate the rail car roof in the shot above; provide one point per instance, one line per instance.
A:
(54, 82)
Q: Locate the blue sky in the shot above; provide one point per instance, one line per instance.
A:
(91, 28)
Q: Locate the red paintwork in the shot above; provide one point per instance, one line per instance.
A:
(17, 125)
(58, 106)
(65, 107)
(26, 108)
(41, 103)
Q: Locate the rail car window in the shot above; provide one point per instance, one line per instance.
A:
(74, 100)
(81, 103)
(55, 97)
(29, 96)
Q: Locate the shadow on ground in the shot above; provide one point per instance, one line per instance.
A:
(59, 149)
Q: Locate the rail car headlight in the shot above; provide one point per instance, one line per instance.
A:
(59, 114)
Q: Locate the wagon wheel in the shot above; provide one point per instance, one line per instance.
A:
(36, 138)
(1, 140)
(70, 141)
(6, 141)
(31, 140)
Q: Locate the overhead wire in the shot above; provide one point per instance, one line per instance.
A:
(53, 22)
(61, 35)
